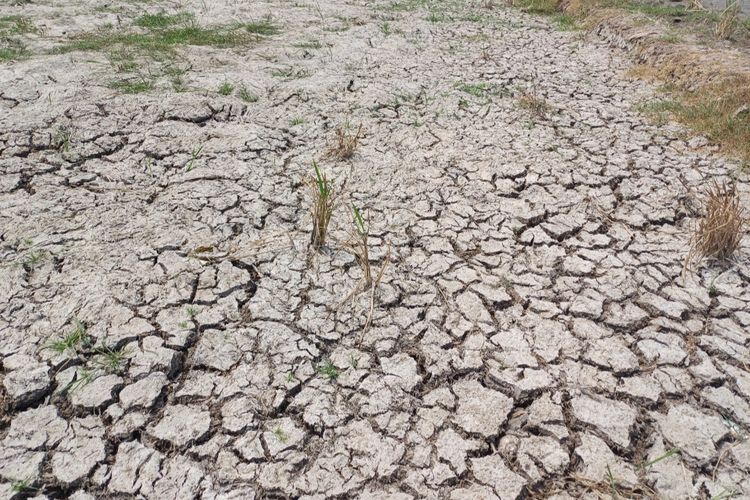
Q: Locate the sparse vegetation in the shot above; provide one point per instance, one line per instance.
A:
(133, 86)
(73, 340)
(290, 73)
(265, 27)
(728, 21)
(109, 359)
(673, 451)
(22, 485)
(359, 246)
(328, 370)
(279, 433)
(195, 154)
(345, 144)
(296, 121)
(537, 105)
(323, 203)
(719, 231)
(246, 96)
(226, 88)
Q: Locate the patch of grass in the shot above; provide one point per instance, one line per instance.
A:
(73, 340)
(263, 28)
(246, 96)
(565, 22)
(159, 41)
(309, 44)
(13, 53)
(296, 121)
(435, 17)
(290, 73)
(111, 360)
(161, 20)
(16, 25)
(323, 203)
(22, 485)
(130, 86)
(719, 231)
(481, 90)
(538, 6)
(405, 5)
(328, 370)
(226, 88)
(191, 311)
(385, 28)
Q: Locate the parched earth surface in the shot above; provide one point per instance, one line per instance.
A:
(167, 333)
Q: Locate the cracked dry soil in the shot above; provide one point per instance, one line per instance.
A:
(532, 335)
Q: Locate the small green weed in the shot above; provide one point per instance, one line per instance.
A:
(327, 369)
(194, 156)
(246, 96)
(226, 88)
(282, 436)
(73, 340)
(110, 360)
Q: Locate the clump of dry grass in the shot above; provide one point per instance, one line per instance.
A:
(345, 144)
(728, 21)
(719, 232)
(323, 202)
(533, 103)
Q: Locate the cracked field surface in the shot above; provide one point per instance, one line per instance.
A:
(167, 333)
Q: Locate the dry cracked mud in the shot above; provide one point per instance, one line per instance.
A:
(167, 333)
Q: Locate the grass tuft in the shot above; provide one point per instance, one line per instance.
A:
(327, 369)
(246, 95)
(226, 88)
(73, 340)
(537, 105)
(358, 245)
(345, 144)
(718, 232)
(161, 20)
(323, 202)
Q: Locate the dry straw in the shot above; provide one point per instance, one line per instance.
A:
(718, 232)
(345, 144)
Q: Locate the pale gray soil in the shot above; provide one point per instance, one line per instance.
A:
(532, 333)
